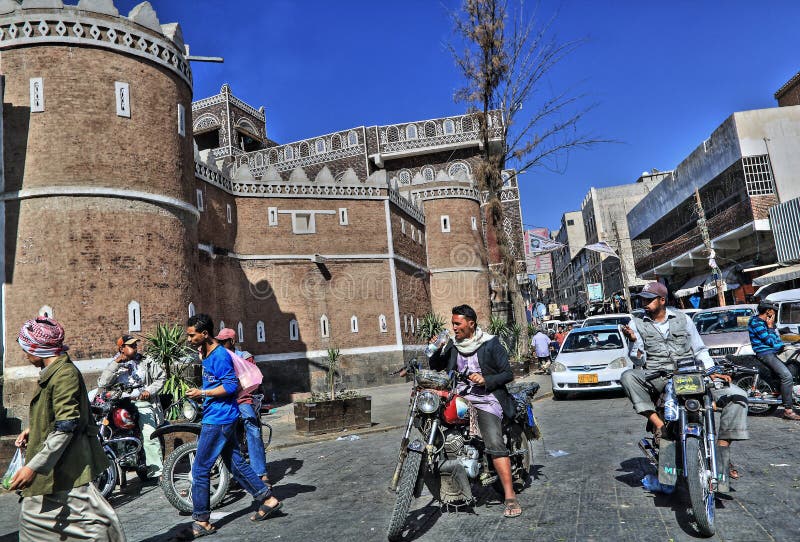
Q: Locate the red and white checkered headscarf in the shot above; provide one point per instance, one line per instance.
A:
(42, 337)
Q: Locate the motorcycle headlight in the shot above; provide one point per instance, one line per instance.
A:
(427, 402)
(619, 363)
(557, 367)
(189, 411)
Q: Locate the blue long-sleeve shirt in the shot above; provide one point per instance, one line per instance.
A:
(218, 370)
(763, 339)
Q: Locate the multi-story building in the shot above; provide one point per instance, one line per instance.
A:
(567, 285)
(747, 165)
(114, 223)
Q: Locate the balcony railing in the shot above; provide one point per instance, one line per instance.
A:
(437, 132)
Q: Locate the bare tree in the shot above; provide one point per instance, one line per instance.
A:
(505, 57)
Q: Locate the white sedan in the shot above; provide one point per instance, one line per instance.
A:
(591, 359)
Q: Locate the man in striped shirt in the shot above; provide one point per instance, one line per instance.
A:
(767, 345)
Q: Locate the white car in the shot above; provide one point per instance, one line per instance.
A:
(591, 359)
(616, 319)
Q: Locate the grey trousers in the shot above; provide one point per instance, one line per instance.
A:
(732, 422)
(79, 514)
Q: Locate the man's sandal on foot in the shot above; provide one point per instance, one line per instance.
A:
(513, 509)
(265, 511)
(790, 414)
(197, 531)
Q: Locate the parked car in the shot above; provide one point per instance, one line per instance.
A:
(618, 319)
(724, 329)
(788, 303)
(591, 359)
(690, 312)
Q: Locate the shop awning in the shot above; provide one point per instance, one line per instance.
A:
(729, 281)
(692, 286)
(779, 275)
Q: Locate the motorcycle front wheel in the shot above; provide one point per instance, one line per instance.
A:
(107, 480)
(700, 494)
(764, 388)
(405, 494)
(176, 479)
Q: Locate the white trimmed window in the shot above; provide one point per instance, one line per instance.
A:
(46, 311)
(445, 224)
(382, 324)
(343, 216)
(261, 335)
(200, 206)
(134, 316)
(192, 310)
(354, 324)
(402, 225)
(324, 327)
(288, 153)
(411, 131)
(123, 95)
(413, 233)
(294, 330)
(221, 325)
(352, 139)
(474, 223)
(411, 319)
(37, 94)
(449, 127)
(405, 323)
(240, 332)
(417, 323)
(319, 145)
(228, 213)
(272, 216)
(303, 223)
(181, 120)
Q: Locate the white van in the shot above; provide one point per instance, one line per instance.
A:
(788, 303)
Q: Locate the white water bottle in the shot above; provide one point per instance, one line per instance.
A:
(670, 403)
(433, 347)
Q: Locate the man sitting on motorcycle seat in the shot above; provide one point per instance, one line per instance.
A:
(665, 336)
(130, 368)
(485, 361)
(767, 345)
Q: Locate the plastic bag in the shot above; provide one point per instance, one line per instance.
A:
(249, 374)
(651, 483)
(17, 462)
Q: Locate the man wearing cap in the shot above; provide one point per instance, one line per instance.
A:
(144, 374)
(666, 336)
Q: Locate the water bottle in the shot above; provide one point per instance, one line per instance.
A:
(670, 403)
(433, 347)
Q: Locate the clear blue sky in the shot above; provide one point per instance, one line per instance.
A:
(664, 75)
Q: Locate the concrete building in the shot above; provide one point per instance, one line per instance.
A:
(747, 165)
(566, 282)
(126, 205)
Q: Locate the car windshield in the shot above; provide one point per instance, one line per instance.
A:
(581, 341)
(610, 321)
(726, 321)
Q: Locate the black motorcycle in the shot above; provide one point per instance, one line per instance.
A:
(763, 387)
(449, 458)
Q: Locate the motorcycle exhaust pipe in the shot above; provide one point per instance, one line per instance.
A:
(648, 451)
(763, 401)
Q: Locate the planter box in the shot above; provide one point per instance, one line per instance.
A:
(521, 368)
(329, 416)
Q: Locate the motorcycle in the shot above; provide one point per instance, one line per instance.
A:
(176, 478)
(763, 387)
(449, 458)
(120, 437)
(693, 458)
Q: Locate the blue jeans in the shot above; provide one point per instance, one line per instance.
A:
(220, 441)
(255, 444)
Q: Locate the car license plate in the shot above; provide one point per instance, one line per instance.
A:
(590, 378)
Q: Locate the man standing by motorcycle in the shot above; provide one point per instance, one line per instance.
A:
(485, 361)
(666, 336)
(767, 345)
(147, 378)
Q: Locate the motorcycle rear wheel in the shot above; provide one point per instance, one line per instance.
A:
(700, 494)
(176, 479)
(746, 383)
(107, 480)
(405, 494)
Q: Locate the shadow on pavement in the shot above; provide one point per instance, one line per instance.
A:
(635, 469)
(420, 521)
(10, 537)
(590, 395)
(133, 490)
(282, 468)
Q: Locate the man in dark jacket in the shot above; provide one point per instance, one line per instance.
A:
(485, 362)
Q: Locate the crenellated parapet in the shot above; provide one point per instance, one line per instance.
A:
(95, 23)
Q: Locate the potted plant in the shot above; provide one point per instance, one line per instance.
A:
(331, 410)
(429, 326)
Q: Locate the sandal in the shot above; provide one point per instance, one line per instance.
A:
(733, 473)
(198, 531)
(513, 509)
(265, 511)
(266, 481)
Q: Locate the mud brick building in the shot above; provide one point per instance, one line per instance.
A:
(126, 204)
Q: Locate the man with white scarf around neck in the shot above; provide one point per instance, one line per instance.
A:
(486, 363)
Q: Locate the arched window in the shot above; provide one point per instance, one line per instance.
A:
(428, 174)
(240, 332)
(392, 134)
(319, 145)
(192, 310)
(352, 138)
(261, 336)
(430, 129)
(46, 311)
(411, 320)
(457, 168)
(404, 176)
(354, 324)
(134, 316)
(221, 325)
(382, 324)
(324, 327)
(288, 153)
(294, 330)
(411, 131)
(449, 127)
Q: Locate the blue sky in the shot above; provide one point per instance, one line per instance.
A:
(663, 75)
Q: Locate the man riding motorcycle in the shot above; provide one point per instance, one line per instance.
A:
(485, 361)
(666, 336)
(132, 369)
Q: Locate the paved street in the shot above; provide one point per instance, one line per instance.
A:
(335, 490)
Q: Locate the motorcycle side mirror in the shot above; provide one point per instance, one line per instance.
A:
(414, 363)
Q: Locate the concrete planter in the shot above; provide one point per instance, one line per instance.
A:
(520, 368)
(328, 416)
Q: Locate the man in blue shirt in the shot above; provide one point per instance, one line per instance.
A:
(767, 344)
(218, 434)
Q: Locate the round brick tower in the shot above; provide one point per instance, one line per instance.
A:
(456, 255)
(100, 225)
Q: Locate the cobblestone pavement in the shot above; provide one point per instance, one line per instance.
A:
(336, 490)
